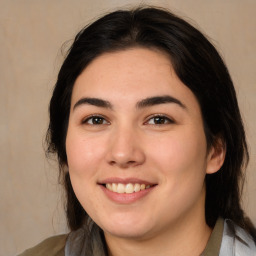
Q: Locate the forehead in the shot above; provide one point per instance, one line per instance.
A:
(130, 75)
(129, 64)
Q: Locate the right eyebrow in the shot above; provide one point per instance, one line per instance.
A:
(151, 101)
(93, 101)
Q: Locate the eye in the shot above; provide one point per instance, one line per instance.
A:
(159, 120)
(95, 120)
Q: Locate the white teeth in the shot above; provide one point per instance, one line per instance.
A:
(108, 186)
(129, 188)
(120, 188)
(114, 187)
(136, 187)
(126, 188)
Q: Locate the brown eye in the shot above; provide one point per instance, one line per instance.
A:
(158, 120)
(95, 120)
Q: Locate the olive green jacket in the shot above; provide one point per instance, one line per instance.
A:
(53, 246)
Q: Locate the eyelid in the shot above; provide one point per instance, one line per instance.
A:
(85, 120)
(169, 119)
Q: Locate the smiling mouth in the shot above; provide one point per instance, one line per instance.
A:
(129, 188)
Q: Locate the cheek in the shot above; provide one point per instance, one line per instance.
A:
(83, 156)
(83, 153)
(182, 163)
(179, 149)
(181, 158)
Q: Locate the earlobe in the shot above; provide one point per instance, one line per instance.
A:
(216, 156)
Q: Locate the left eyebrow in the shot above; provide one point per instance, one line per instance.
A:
(148, 102)
(93, 101)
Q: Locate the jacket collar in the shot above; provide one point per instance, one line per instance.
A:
(236, 241)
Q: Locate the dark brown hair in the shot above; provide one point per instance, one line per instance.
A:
(197, 64)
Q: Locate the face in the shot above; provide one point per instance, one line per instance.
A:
(136, 147)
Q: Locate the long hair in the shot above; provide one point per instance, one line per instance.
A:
(197, 64)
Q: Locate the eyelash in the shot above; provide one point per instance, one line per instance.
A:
(162, 118)
(86, 121)
(166, 120)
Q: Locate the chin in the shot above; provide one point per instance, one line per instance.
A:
(126, 228)
(127, 233)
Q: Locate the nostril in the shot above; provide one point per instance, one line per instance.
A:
(112, 162)
(124, 164)
(131, 162)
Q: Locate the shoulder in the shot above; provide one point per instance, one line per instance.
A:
(52, 246)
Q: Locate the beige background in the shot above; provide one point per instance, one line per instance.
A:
(31, 34)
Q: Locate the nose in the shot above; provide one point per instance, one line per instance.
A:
(125, 149)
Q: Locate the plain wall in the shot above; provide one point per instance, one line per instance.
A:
(31, 35)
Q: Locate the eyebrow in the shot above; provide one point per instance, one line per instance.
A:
(95, 102)
(148, 102)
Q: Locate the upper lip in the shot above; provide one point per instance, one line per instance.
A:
(125, 181)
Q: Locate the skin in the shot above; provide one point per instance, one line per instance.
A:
(129, 143)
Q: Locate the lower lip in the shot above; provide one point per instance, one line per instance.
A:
(126, 198)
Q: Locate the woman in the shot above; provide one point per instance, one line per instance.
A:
(151, 147)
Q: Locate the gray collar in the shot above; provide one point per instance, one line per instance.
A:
(236, 241)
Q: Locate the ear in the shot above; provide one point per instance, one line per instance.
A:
(216, 156)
